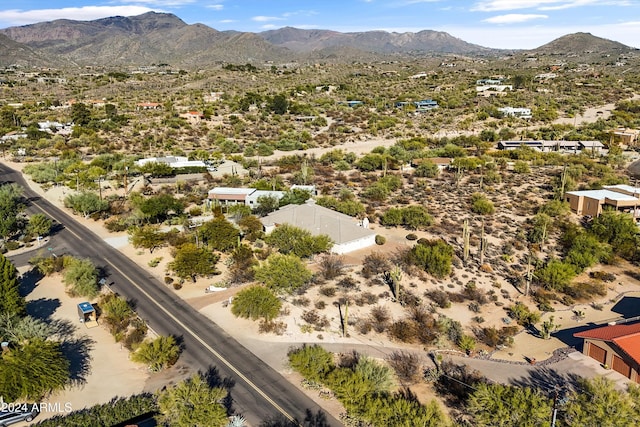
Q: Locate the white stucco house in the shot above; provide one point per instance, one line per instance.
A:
(348, 234)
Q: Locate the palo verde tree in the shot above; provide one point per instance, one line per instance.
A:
(283, 273)
(219, 234)
(11, 302)
(191, 261)
(148, 237)
(81, 277)
(193, 402)
(10, 206)
(256, 302)
(290, 239)
(505, 406)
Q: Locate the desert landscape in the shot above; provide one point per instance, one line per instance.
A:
(493, 195)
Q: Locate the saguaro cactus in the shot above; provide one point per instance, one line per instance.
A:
(465, 240)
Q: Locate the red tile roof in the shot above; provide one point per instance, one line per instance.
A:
(626, 337)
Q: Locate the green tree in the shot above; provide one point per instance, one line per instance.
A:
(39, 225)
(427, 169)
(416, 217)
(256, 302)
(379, 376)
(481, 205)
(382, 410)
(157, 208)
(86, 203)
(80, 114)
(498, 405)
(10, 206)
(148, 237)
(586, 251)
(291, 239)
(11, 302)
(158, 170)
(21, 329)
(282, 272)
(219, 234)
(434, 256)
(349, 387)
(312, 362)
(296, 196)
(157, 354)
(279, 104)
(81, 277)
(116, 312)
(251, 226)
(191, 261)
(266, 205)
(556, 275)
(32, 370)
(619, 230)
(597, 402)
(192, 402)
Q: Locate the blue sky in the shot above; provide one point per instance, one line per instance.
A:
(517, 24)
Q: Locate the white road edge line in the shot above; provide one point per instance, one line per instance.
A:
(193, 334)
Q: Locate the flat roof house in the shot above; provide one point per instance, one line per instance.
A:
(616, 346)
(348, 234)
(620, 197)
(560, 146)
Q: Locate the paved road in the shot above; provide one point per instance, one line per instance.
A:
(258, 391)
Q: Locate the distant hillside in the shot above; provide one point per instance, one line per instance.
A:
(165, 38)
(372, 41)
(12, 52)
(148, 38)
(579, 43)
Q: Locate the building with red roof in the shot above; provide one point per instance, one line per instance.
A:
(617, 346)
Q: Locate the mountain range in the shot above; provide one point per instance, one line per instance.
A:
(164, 38)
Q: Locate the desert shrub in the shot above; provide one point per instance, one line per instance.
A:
(452, 329)
(457, 382)
(328, 291)
(602, 275)
(440, 298)
(116, 224)
(521, 314)
(375, 263)
(348, 283)
(380, 240)
(494, 337)
(168, 280)
(407, 366)
(331, 266)
(473, 293)
(380, 318)
(272, 327)
(301, 302)
(312, 362)
(434, 257)
(320, 305)
(412, 236)
(256, 302)
(586, 290)
(403, 330)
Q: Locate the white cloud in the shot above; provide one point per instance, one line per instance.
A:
(85, 13)
(502, 5)
(160, 3)
(227, 21)
(215, 6)
(266, 18)
(514, 18)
